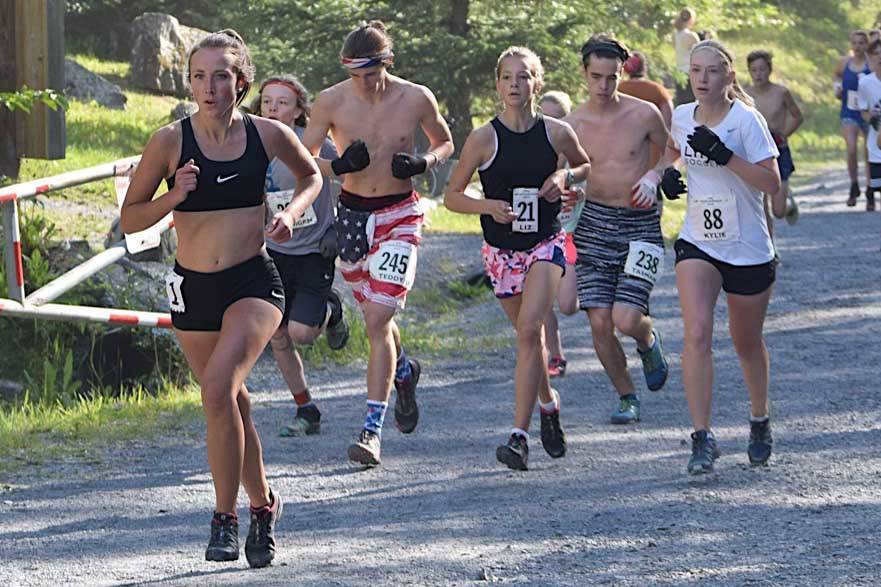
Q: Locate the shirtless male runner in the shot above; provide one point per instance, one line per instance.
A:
(372, 117)
(618, 238)
(783, 116)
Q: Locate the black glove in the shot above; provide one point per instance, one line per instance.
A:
(405, 165)
(875, 121)
(672, 184)
(354, 158)
(328, 246)
(708, 144)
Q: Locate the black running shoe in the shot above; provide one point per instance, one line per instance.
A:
(854, 194)
(704, 452)
(553, 439)
(406, 410)
(260, 545)
(514, 454)
(870, 199)
(337, 331)
(224, 543)
(366, 449)
(760, 442)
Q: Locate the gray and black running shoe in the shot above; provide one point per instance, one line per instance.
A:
(224, 542)
(760, 442)
(260, 544)
(704, 452)
(514, 454)
(406, 410)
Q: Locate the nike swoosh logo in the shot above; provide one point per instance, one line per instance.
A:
(278, 295)
(221, 179)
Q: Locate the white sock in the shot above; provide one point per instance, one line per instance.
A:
(521, 432)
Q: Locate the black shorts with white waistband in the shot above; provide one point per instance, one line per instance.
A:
(198, 300)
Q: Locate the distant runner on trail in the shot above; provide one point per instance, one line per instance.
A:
(730, 159)
(372, 117)
(783, 116)
(306, 262)
(851, 68)
(516, 156)
(557, 105)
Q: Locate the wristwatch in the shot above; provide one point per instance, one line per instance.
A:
(570, 178)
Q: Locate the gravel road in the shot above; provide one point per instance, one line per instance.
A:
(619, 509)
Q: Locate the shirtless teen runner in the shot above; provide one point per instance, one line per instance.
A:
(372, 117)
(618, 238)
(783, 116)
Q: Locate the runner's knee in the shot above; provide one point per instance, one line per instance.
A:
(281, 340)
(529, 332)
(302, 333)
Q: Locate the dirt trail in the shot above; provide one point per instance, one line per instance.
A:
(618, 510)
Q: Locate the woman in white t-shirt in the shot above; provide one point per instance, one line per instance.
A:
(730, 160)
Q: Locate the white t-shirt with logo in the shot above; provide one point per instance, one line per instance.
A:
(869, 94)
(725, 217)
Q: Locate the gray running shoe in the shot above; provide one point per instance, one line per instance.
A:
(306, 423)
(366, 449)
(704, 452)
(514, 454)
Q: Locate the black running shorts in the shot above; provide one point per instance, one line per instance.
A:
(307, 280)
(198, 300)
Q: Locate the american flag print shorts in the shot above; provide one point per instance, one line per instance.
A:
(401, 222)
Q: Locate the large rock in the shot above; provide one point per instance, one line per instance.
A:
(82, 84)
(159, 52)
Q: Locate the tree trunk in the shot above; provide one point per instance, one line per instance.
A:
(9, 161)
(459, 104)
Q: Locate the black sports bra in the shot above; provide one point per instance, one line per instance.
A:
(223, 185)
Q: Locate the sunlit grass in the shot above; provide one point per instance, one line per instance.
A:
(33, 432)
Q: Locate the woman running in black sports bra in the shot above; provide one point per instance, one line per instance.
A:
(225, 294)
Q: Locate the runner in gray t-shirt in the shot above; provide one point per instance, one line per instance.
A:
(306, 262)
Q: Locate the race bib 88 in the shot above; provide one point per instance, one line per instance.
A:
(713, 218)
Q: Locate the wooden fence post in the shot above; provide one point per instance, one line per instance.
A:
(39, 64)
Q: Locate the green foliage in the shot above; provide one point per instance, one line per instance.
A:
(26, 98)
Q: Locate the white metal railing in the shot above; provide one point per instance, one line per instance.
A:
(36, 305)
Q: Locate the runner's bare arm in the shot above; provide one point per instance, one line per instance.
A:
(839, 75)
(565, 142)
(140, 210)
(657, 132)
(317, 129)
(671, 155)
(477, 150)
(795, 118)
(764, 175)
(435, 128)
